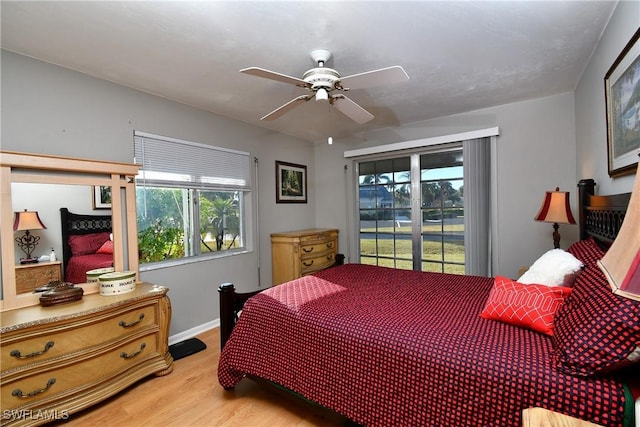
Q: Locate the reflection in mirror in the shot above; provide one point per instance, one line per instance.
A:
(47, 200)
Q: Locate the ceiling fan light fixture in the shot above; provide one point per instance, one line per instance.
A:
(326, 84)
(322, 95)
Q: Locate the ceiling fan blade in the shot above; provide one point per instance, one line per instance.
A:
(287, 107)
(395, 74)
(272, 75)
(351, 109)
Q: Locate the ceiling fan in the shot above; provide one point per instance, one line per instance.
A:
(326, 85)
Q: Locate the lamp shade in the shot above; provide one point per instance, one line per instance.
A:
(555, 208)
(27, 220)
(621, 263)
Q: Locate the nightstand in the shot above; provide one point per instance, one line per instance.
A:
(31, 276)
(540, 417)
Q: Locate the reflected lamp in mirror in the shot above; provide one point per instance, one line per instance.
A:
(27, 221)
(556, 209)
(621, 263)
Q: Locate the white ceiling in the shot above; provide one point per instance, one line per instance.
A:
(460, 55)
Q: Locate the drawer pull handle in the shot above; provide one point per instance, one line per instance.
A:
(330, 245)
(309, 264)
(329, 257)
(308, 250)
(18, 393)
(18, 355)
(134, 354)
(129, 325)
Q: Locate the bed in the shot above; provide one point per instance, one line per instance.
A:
(386, 347)
(86, 244)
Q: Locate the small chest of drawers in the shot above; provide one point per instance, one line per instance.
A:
(58, 360)
(31, 276)
(297, 253)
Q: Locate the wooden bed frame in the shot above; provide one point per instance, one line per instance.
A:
(599, 217)
(78, 224)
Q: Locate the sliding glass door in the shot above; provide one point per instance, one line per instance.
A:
(412, 211)
(385, 212)
(442, 212)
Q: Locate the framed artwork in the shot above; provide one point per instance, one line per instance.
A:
(101, 197)
(291, 183)
(622, 96)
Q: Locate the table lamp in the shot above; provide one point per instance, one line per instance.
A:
(556, 209)
(27, 220)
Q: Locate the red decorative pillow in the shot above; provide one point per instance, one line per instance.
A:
(530, 306)
(87, 243)
(596, 330)
(106, 248)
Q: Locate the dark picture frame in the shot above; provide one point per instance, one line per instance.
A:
(101, 197)
(622, 97)
(291, 183)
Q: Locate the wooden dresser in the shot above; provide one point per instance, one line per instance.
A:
(30, 276)
(296, 253)
(58, 360)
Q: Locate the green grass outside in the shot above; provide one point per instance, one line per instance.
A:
(437, 228)
(431, 251)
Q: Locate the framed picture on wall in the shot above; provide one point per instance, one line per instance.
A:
(101, 197)
(291, 183)
(622, 96)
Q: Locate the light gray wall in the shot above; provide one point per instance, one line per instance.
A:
(535, 152)
(591, 128)
(51, 110)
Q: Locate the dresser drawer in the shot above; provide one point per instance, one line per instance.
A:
(31, 276)
(69, 338)
(311, 265)
(314, 250)
(313, 239)
(44, 387)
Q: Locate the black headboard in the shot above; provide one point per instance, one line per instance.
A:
(75, 224)
(600, 216)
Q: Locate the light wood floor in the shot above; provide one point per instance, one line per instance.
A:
(192, 396)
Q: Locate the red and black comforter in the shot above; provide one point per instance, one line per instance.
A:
(389, 347)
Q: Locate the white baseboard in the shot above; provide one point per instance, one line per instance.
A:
(190, 333)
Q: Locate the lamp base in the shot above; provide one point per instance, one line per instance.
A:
(28, 260)
(556, 236)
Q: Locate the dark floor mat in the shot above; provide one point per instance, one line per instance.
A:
(186, 348)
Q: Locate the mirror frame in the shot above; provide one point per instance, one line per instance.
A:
(38, 168)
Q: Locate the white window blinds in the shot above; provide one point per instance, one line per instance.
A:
(171, 162)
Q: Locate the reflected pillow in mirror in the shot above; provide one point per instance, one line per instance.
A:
(106, 248)
(86, 244)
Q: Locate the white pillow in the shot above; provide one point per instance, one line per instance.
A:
(554, 268)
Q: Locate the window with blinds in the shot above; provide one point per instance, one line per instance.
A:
(190, 198)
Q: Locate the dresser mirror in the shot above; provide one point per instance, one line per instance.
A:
(45, 184)
(47, 200)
